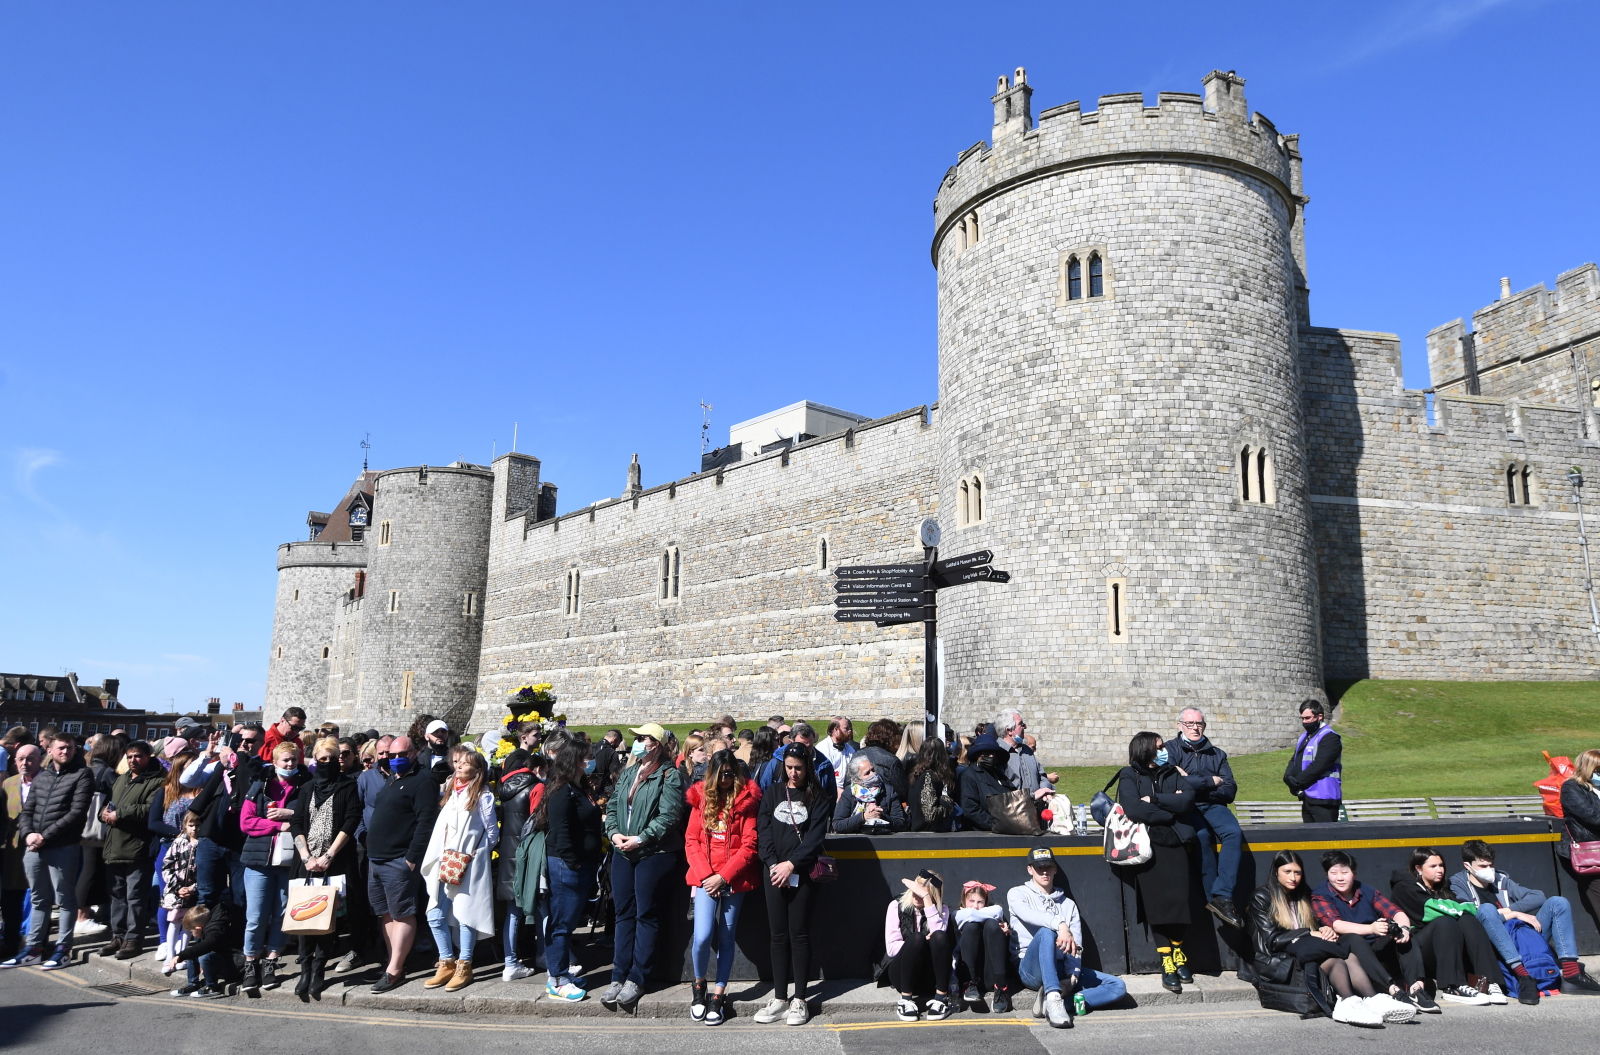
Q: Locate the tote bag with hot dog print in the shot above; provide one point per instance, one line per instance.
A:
(313, 906)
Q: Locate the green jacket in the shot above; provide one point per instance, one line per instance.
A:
(655, 815)
(528, 867)
(128, 840)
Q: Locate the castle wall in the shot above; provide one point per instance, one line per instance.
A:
(1427, 568)
(419, 639)
(752, 631)
(1108, 430)
(312, 577)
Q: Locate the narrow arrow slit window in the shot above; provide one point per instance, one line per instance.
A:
(1117, 610)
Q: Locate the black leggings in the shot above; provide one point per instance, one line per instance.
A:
(789, 918)
(920, 958)
(1452, 946)
(983, 950)
(1392, 965)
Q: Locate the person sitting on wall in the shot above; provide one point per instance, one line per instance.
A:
(1314, 773)
(916, 935)
(1372, 927)
(1047, 938)
(866, 805)
(1453, 943)
(984, 776)
(1205, 767)
(1501, 899)
(1022, 765)
(882, 744)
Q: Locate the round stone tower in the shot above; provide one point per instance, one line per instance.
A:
(1120, 418)
(313, 577)
(422, 619)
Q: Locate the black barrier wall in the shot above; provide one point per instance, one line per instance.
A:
(848, 925)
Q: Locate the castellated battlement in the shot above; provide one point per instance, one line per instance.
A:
(322, 555)
(1215, 128)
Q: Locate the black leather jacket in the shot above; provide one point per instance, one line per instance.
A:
(1270, 941)
(1582, 808)
(513, 792)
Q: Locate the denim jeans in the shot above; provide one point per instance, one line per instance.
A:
(53, 880)
(1555, 923)
(266, 892)
(719, 915)
(1215, 823)
(439, 927)
(208, 964)
(639, 890)
(1043, 965)
(218, 871)
(515, 921)
(569, 892)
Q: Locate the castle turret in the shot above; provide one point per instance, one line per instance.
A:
(1119, 296)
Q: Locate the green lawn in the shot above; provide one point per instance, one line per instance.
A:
(1422, 738)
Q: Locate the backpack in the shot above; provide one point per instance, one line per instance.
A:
(1536, 957)
(1549, 788)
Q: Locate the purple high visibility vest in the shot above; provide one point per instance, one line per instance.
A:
(1328, 787)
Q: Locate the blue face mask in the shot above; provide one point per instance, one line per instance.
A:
(588, 767)
(283, 774)
(1161, 757)
(398, 766)
(640, 749)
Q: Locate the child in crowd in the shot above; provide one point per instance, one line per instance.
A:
(983, 937)
(179, 877)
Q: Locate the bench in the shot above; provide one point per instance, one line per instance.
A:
(1267, 812)
(1387, 810)
(1489, 806)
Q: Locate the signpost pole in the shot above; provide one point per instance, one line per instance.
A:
(930, 662)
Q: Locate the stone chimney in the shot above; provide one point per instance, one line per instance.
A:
(634, 486)
(1225, 94)
(1013, 107)
(1505, 288)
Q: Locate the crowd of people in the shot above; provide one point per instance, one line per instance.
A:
(200, 844)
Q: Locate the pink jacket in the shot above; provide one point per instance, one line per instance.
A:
(893, 939)
(253, 823)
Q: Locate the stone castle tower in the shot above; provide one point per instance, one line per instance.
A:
(1119, 297)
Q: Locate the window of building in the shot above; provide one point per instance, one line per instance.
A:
(469, 603)
(75, 728)
(408, 679)
(969, 501)
(383, 533)
(1074, 278)
(670, 568)
(58, 697)
(574, 591)
(280, 651)
(1256, 482)
(969, 231)
(1083, 274)
(1594, 391)
(297, 595)
(324, 651)
(394, 600)
(1519, 484)
(1117, 610)
(822, 553)
(1097, 278)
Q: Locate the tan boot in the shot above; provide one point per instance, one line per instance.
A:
(446, 970)
(463, 976)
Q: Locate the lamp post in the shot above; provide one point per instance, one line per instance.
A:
(1575, 477)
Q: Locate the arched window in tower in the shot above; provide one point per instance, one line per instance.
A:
(1244, 472)
(1097, 285)
(670, 565)
(977, 499)
(1263, 475)
(964, 505)
(822, 553)
(1117, 610)
(973, 236)
(1519, 484)
(574, 598)
(1074, 278)
(1256, 482)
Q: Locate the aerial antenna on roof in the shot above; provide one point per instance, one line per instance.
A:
(365, 447)
(705, 425)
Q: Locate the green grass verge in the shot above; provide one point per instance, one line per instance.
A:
(1425, 738)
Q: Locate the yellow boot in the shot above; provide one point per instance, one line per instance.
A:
(463, 976)
(1169, 970)
(444, 972)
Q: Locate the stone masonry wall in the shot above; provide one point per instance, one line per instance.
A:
(1427, 570)
(312, 577)
(752, 631)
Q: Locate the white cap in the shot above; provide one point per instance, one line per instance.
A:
(434, 726)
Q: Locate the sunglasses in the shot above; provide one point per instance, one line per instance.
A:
(346, 753)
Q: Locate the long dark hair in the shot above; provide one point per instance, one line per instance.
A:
(1142, 749)
(1290, 908)
(810, 788)
(933, 757)
(566, 768)
(1419, 857)
(762, 746)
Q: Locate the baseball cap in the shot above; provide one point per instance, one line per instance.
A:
(434, 726)
(652, 730)
(1041, 857)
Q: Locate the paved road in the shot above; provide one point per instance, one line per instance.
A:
(49, 1014)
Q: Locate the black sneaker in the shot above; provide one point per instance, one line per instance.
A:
(269, 973)
(714, 1012)
(1000, 1004)
(972, 994)
(1425, 1002)
(188, 990)
(388, 982)
(697, 1001)
(250, 982)
(208, 992)
(1223, 909)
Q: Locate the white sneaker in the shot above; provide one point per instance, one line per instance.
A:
(772, 1012)
(89, 928)
(1353, 1011)
(1495, 994)
(1463, 994)
(1055, 1011)
(799, 1013)
(163, 951)
(906, 1010)
(1390, 1009)
(515, 972)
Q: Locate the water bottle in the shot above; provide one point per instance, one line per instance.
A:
(1083, 819)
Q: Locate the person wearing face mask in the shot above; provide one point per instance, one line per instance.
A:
(1456, 952)
(866, 805)
(984, 776)
(327, 812)
(1314, 772)
(1154, 792)
(1205, 767)
(266, 813)
(397, 838)
(643, 825)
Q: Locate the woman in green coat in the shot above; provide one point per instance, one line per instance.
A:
(644, 824)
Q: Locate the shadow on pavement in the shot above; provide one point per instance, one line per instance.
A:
(22, 1021)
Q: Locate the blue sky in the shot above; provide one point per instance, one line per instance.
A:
(237, 238)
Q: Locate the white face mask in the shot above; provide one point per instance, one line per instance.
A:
(1485, 875)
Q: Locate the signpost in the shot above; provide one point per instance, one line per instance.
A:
(895, 594)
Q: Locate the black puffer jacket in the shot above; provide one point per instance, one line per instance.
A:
(977, 784)
(1270, 939)
(513, 791)
(1581, 805)
(1170, 798)
(57, 806)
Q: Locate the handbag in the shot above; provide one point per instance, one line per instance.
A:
(94, 829)
(1586, 858)
(1061, 822)
(1100, 805)
(312, 908)
(1012, 813)
(1127, 842)
(453, 865)
(824, 869)
(282, 850)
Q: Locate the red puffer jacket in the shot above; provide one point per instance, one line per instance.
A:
(731, 854)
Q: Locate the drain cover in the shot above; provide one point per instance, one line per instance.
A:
(125, 989)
